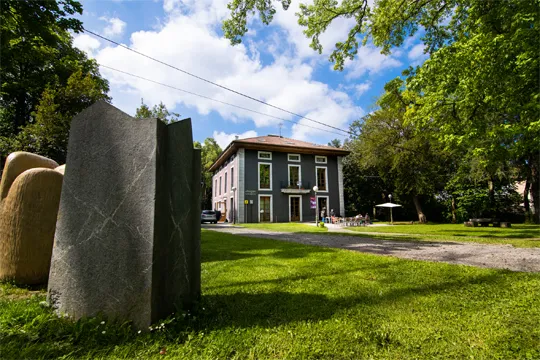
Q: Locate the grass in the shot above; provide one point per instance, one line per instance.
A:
(518, 235)
(266, 299)
(287, 227)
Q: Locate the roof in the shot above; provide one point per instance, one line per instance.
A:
(277, 143)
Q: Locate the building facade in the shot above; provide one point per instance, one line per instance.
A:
(271, 179)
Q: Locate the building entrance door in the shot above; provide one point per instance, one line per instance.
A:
(264, 206)
(323, 204)
(294, 207)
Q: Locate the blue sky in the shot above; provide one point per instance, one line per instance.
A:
(274, 63)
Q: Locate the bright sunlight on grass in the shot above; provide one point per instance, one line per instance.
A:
(287, 227)
(270, 299)
(518, 235)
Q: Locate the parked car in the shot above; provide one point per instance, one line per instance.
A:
(209, 216)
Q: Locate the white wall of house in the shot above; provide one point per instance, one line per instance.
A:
(221, 197)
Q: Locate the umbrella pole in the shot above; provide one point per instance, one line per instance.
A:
(391, 219)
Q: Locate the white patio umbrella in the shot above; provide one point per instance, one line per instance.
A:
(391, 206)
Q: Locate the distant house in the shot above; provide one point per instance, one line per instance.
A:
(271, 179)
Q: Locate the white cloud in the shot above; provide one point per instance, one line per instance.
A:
(362, 88)
(115, 26)
(416, 54)
(86, 43)
(337, 31)
(287, 82)
(223, 139)
(369, 60)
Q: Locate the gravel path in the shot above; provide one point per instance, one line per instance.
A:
(487, 256)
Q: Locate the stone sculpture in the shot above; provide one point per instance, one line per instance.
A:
(29, 198)
(127, 242)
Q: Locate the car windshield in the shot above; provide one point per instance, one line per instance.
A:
(208, 212)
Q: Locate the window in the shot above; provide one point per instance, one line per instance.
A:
(320, 159)
(265, 155)
(225, 187)
(322, 179)
(265, 176)
(294, 175)
(220, 185)
(294, 157)
(215, 189)
(232, 178)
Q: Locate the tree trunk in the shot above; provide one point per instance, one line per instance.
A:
(454, 210)
(526, 204)
(491, 197)
(421, 216)
(535, 186)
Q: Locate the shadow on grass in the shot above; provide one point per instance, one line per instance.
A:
(507, 233)
(241, 310)
(273, 309)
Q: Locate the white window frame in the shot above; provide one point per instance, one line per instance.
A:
(220, 185)
(215, 187)
(297, 196)
(325, 175)
(271, 207)
(299, 157)
(232, 177)
(264, 152)
(225, 183)
(327, 205)
(259, 176)
(289, 173)
(321, 162)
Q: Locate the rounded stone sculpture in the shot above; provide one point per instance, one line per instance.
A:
(29, 199)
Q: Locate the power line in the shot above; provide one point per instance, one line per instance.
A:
(219, 101)
(211, 82)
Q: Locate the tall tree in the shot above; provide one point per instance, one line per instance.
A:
(480, 85)
(159, 111)
(39, 65)
(335, 143)
(48, 134)
(210, 151)
(412, 162)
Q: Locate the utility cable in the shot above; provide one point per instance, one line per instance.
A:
(219, 101)
(211, 82)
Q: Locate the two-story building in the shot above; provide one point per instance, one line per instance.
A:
(271, 179)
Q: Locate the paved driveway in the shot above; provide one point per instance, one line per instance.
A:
(488, 256)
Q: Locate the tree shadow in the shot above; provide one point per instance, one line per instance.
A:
(515, 234)
(245, 310)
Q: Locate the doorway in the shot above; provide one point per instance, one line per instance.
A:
(265, 204)
(295, 208)
(322, 202)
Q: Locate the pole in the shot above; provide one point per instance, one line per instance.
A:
(316, 210)
(391, 219)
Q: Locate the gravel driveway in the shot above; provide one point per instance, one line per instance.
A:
(487, 256)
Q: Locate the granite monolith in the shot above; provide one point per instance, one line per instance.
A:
(127, 244)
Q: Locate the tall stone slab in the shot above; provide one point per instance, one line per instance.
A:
(127, 240)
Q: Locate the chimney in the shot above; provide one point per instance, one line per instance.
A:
(235, 137)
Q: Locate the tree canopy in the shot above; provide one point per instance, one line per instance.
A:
(158, 111)
(45, 79)
(478, 91)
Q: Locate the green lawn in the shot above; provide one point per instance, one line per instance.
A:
(270, 299)
(518, 235)
(287, 227)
